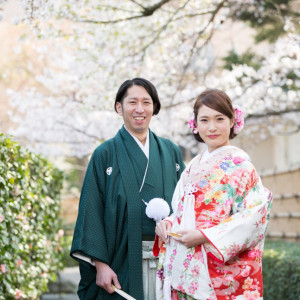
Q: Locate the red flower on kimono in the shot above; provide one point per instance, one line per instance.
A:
(252, 181)
(225, 179)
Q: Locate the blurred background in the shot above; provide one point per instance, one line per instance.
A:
(61, 63)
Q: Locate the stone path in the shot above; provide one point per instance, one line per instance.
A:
(65, 287)
(59, 297)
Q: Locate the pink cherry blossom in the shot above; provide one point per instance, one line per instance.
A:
(191, 123)
(217, 282)
(18, 294)
(189, 257)
(2, 267)
(251, 295)
(60, 232)
(193, 126)
(238, 120)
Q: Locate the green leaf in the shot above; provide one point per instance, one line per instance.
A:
(26, 179)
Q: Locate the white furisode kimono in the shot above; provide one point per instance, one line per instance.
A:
(221, 195)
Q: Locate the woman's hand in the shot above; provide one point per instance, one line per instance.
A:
(191, 238)
(162, 228)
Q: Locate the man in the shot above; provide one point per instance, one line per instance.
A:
(134, 166)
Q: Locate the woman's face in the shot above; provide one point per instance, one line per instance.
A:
(214, 127)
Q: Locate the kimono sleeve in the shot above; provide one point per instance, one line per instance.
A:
(245, 227)
(89, 241)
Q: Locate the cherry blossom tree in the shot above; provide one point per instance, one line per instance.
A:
(90, 47)
(1, 8)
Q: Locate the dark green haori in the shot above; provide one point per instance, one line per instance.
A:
(111, 220)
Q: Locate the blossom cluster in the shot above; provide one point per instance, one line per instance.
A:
(95, 48)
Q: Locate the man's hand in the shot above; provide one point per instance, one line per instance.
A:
(106, 276)
(191, 238)
(162, 229)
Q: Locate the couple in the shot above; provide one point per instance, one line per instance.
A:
(220, 208)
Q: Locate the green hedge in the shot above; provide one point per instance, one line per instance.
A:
(30, 227)
(281, 270)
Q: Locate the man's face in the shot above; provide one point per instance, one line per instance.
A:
(137, 110)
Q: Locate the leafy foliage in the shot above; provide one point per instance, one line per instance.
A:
(30, 234)
(248, 58)
(268, 17)
(281, 270)
(66, 244)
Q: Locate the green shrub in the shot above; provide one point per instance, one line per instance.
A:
(66, 244)
(30, 234)
(281, 270)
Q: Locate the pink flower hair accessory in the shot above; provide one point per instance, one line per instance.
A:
(193, 126)
(238, 119)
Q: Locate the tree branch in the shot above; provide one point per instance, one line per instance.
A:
(192, 51)
(272, 113)
(161, 29)
(78, 130)
(146, 12)
(140, 5)
(156, 37)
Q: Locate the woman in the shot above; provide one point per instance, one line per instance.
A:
(220, 213)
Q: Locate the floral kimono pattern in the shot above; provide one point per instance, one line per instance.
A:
(224, 198)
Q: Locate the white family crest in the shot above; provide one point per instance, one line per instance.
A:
(109, 170)
(177, 167)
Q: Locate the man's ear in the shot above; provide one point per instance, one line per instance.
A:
(154, 108)
(119, 108)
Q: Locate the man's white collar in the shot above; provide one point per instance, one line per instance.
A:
(145, 148)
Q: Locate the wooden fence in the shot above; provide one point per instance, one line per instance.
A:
(285, 213)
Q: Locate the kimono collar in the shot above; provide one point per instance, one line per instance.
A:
(207, 155)
(145, 148)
